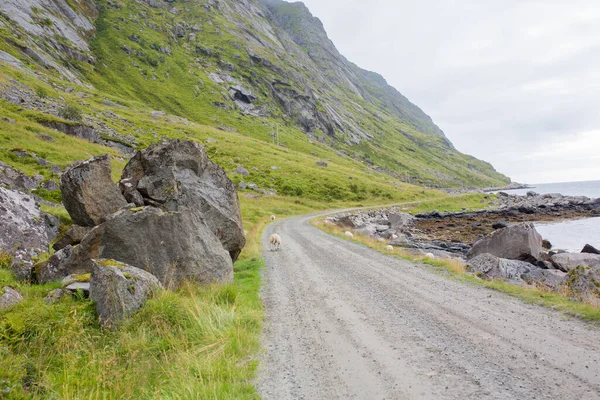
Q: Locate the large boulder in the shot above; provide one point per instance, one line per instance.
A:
(172, 246)
(568, 261)
(490, 266)
(550, 278)
(119, 290)
(9, 297)
(88, 192)
(517, 242)
(23, 226)
(178, 176)
(588, 248)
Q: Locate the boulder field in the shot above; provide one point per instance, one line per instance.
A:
(173, 216)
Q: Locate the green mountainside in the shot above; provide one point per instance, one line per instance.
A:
(263, 73)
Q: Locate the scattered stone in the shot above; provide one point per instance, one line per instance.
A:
(57, 266)
(89, 194)
(22, 266)
(321, 164)
(45, 137)
(500, 225)
(119, 290)
(517, 242)
(54, 296)
(9, 297)
(241, 171)
(242, 185)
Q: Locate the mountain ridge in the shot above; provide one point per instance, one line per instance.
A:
(253, 66)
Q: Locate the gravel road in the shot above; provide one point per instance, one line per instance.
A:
(346, 322)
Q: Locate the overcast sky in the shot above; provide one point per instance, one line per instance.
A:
(513, 82)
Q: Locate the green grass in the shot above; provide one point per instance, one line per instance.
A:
(456, 269)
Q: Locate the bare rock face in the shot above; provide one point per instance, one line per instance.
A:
(71, 237)
(9, 297)
(568, 261)
(57, 267)
(172, 246)
(22, 223)
(517, 242)
(89, 194)
(179, 176)
(119, 290)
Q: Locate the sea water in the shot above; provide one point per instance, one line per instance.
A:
(569, 235)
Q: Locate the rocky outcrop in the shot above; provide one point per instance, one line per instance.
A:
(568, 261)
(517, 242)
(179, 176)
(88, 192)
(23, 226)
(119, 290)
(9, 297)
(173, 246)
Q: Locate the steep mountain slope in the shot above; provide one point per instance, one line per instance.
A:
(262, 68)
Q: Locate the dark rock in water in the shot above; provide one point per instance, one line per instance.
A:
(89, 194)
(22, 224)
(490, 266)
(119, 290)
(546, 244)
(500, 224)
(590, 249)
(9, 297)
(179, 176)
(172, 246)
(568, 261)
(515, 243)
(72, 237)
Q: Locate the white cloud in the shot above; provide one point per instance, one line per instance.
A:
(514, 82)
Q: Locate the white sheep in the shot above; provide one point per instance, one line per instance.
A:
(272, 218)
(275, 242)
(389, 248)
(348, 234)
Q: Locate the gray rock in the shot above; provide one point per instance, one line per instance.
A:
(57, 266)
(583, 283)
(119, 290)
(54, 296)
(517, 242)
(491, 266)
(178, 176)
(22, 224)
(71, 237)
(401, 222)
(550, 278)
(74, 287)
(22, 266)
(89, 194)
(9, 297)
(568, 261)
(241, 171)
(500, 224)
(321, 163)
(242, 185)
(172, 246)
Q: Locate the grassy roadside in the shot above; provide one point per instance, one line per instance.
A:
(197, 342)
(456, 269)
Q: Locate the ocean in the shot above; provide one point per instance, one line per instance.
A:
(569, 235)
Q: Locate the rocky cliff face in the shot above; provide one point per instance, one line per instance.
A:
(249, 65)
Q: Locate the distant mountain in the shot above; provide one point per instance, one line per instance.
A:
(257, 67)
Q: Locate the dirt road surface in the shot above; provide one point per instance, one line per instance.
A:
(346, 322)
